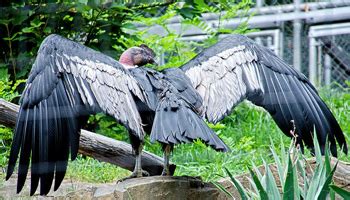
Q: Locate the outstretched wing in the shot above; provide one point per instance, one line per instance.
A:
(68, 82)
(236, 68)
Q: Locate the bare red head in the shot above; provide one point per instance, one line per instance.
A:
(137, 56)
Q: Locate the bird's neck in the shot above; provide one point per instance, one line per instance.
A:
(126, 60)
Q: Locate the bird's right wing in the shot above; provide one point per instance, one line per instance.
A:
(68, 82)
(236, 68)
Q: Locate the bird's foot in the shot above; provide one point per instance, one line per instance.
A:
(166, 172)
(135, 174)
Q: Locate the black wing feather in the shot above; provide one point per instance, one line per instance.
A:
(67, 83)
(250, 71)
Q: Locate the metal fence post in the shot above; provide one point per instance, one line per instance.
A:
(260, 3)
(297, 26)
(327, 69)
(319, 65)
(258, 40)
(312, 60)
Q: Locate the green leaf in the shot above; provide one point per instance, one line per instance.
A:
(297, 189)
(21, 17)
(27, 29)
(283, 151)
(341, 192)
(68, 18)
(301, 169)
(36, 23)
(327, 159)
(5, 21)
(94, 3)
(238, 185)
(288, 189)
(201, 4)
(218, 185)
(317, 148)
(271, 186)
(261, 190)
(325, 189)
(314, 185)
(256, 169)
(277, 161)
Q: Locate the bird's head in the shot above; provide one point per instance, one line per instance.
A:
(137, 56)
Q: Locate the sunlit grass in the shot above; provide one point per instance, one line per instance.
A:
(90, 170)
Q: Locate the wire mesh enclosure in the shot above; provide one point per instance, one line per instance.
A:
(288, 27)
(329, 53)
(317, 45)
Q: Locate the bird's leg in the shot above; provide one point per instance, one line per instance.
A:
(137, 147)
(166, 155)
(138, 172)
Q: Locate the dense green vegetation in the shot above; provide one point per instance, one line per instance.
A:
(110, 28)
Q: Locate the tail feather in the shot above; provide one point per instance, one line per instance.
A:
(175, 122)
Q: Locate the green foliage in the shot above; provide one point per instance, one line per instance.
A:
(260, 188)
(90, 170)
(343, 193)
(107, 126)
(238, 185)
(8, 91)
(26, 24)
(5, 141)
(316, 186)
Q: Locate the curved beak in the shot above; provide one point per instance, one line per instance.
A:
(153, 61)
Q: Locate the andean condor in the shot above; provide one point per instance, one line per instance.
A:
(69, 81)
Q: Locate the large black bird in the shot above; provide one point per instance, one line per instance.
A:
(69, 81)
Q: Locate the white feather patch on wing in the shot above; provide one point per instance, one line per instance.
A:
(224, 80)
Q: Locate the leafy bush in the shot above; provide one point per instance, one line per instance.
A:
(8, 93)
(291, 170)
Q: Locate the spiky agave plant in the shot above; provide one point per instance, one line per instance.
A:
(295, 182)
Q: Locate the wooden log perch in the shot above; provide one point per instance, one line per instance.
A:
(97, 146)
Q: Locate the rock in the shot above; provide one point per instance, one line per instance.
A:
(105, 192)
(159, 187)
(146, 188)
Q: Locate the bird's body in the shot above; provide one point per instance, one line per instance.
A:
(69, 81)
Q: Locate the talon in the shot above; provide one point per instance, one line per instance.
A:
(145, 173)
(134, 174)
(165, 173)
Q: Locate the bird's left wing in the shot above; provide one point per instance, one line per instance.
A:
(68, 81)
(236, 68)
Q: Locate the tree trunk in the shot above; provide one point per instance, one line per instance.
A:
(97, 146)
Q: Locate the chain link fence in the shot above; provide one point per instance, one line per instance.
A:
(329, 59)
(329, 53)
